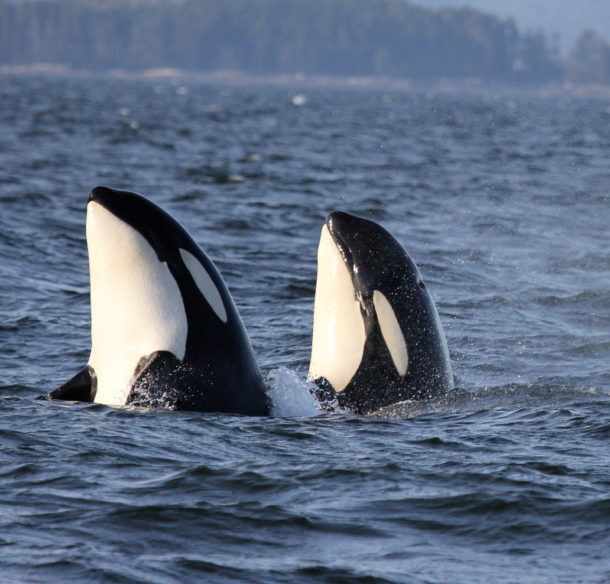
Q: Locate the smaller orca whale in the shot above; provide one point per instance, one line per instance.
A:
(165, 331)
(377, 337)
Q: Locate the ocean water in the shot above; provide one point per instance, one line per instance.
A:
(502, 200)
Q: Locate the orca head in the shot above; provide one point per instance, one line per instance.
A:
(372, 309)
(149, 282)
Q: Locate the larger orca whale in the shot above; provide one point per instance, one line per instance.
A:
(377, 337)
(164, 328)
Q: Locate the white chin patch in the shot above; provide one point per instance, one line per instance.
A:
(136, 305)
(338, 328)
(392, 334)
(205, 284)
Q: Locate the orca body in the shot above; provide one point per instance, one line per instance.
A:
(377, 337)
(165, 331)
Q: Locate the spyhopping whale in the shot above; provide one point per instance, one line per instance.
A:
(377, 337)
(164, 328)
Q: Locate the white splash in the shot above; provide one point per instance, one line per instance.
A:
(290, 395)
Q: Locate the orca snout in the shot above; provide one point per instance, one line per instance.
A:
(129, 207)
(102, 195)
(339, 222)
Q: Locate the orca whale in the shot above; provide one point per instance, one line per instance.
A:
(377, 337)
(165, 331)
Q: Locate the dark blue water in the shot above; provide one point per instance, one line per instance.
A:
(504, 203)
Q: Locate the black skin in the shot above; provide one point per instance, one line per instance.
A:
(377, 261)
(81, 387)
(219, 372)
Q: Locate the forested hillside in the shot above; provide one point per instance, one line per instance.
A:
(563, 20)
(322, 37)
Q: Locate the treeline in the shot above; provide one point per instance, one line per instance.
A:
(390, 38)
(589, 60)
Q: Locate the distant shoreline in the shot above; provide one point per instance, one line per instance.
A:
(303, 81)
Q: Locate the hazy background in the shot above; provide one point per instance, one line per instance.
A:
(564, 18)
(480, 42)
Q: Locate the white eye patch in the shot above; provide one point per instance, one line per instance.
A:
(205, 284)
(392, 335)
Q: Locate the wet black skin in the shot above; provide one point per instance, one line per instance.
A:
(377, 261)
(219, 372)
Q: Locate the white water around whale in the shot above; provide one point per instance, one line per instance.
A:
(290, 395)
